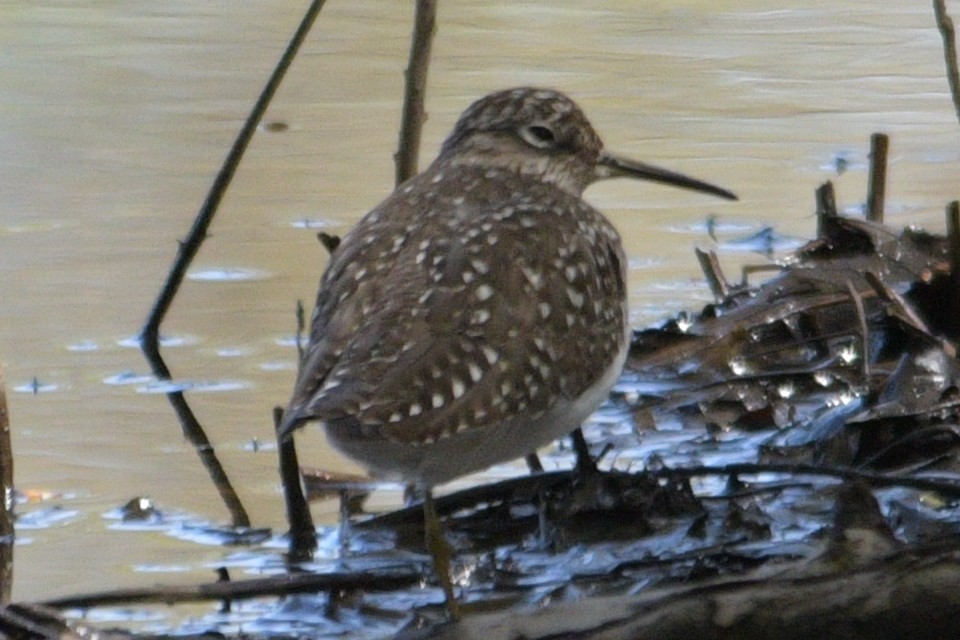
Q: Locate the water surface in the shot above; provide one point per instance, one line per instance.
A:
(114, 118)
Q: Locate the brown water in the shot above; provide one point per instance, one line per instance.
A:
(114, 118)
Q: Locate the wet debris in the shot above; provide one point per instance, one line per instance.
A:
(845, 352)
(794, 435)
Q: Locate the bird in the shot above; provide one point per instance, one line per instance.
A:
(480, 311)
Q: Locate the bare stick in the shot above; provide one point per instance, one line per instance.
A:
(877, 184)
(949, 488)
(241, 589)
(902, 310)
(890, 296)
(6, 510)
(826, 206)
(750, 269)
(150, 335)
(303, 535)
(411, 126)
(301, 326)
(864, 330)
(953, 240)
(710, 266)
(329, 242)
(945, 24)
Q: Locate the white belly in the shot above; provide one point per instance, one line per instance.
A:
(430, 464)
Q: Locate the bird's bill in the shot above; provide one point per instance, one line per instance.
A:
(611, 166)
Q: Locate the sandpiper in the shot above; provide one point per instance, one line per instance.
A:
(480, 311)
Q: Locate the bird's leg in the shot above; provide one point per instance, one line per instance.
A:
(343, 533)
(440, 552)
(533, 463)
(543, 522)
(585, 462)
(411, 495)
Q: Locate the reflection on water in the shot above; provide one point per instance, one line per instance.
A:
(114, 118)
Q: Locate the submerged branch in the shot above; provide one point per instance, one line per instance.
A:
(150, 335)
(273, 586)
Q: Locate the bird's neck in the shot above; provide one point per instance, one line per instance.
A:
(535, 168)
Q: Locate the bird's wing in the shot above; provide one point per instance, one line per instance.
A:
(506, 310)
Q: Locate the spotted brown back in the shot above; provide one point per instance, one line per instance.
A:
(450, 309)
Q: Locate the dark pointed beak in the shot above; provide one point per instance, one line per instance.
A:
(611, 166)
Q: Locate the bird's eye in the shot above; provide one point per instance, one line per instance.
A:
(538, 135)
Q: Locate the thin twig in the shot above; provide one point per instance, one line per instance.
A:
(826, 207)
(949, 488)
(945, 24)
(905, 312)
(329, 242)
(877, 183)
(150, 335)
(710, 266)
(953, 243)
(531, 485)
(750, 269)
(6, 509)
(301, 326)
(411, 126)
(241, 589)
(864, 330)
(36, 622)
(916, 436)
(303, 535)
(953, 238)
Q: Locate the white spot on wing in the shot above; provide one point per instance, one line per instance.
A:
(535, 278)
(480, 316)
(475, 372)
(480, 266)
(576, 298)
(484, 292)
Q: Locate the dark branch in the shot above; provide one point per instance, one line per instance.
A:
(877, 183)
(411, 125)
(150, 335)
(945, 24)
(6, 508)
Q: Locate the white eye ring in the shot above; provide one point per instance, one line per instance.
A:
(538, 135)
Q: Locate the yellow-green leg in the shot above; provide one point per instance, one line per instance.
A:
(440, 552)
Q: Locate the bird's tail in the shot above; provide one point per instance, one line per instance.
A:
(288, 421)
